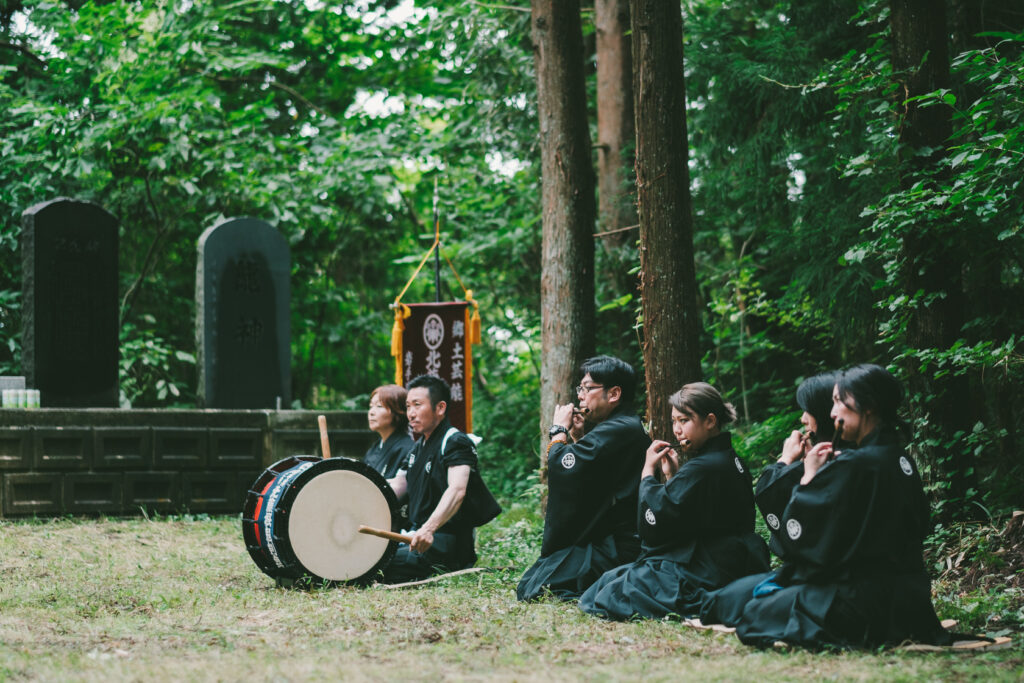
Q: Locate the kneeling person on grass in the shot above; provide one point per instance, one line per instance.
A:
(447, 497)
(696, 520)
(589, 526)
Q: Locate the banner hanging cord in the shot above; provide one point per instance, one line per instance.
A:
(402, 311)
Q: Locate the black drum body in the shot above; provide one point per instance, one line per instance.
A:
(301, 518)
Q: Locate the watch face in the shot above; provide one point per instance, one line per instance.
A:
(555, 430)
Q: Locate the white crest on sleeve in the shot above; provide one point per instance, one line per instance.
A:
(772, 520)
(649, 517)
(568, 460)
(794, 529)
(739, 465)
(905, 466)
(426, 467)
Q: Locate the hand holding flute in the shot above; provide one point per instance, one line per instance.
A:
(821, 454)
(662, 460)
(796, 446)
(571, 418)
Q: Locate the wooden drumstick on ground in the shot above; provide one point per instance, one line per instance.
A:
(390, 535)
(325, 446)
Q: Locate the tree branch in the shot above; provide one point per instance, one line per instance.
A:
(273, 83)
(129, 295)
(23, 50)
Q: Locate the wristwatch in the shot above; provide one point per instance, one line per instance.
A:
(556, 430)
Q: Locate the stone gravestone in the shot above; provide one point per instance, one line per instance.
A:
(69, 303)
(243, 329)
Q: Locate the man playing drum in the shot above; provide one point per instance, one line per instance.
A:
(593, 479)
(447, 498)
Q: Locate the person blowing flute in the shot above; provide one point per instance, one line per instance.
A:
(695, 518)
(594, 461)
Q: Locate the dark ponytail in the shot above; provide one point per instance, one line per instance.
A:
(873, 388)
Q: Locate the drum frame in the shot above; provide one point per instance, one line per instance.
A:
(293, 573)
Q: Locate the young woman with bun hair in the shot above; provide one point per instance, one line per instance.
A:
(695, 519)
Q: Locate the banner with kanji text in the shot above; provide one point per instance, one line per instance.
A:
(436, 341)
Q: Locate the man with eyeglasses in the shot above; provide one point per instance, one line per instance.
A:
(594, 458)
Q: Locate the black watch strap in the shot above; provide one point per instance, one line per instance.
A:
(556, 430)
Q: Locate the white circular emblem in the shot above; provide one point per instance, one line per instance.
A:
(649, 517)
(568, 461)
(905, 466)
(772, 520)
(426, 468)
(739, 465)
(433, 331)
(794, 529)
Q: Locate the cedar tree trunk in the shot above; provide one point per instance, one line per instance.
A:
(615, 126)
(567, 268)
(667, 280)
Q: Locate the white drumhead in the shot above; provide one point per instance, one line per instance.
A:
(324, 525)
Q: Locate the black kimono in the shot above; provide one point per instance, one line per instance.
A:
(426, 467)
(854, 574)
(698, 535)
(589, 526)
(725, 605)
(779, 478)
(387, 457)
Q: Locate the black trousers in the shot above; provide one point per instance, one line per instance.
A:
(450, 552)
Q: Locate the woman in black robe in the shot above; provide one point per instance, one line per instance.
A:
(696, 521)
(386, 416)
(853, 529)
(814, 396)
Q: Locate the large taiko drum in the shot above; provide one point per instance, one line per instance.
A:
(301, 519)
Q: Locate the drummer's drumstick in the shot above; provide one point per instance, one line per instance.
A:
(390, 535)
(325, 446)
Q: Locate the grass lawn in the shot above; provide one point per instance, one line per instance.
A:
(180, 599)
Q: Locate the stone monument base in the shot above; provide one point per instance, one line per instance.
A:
(127, 462)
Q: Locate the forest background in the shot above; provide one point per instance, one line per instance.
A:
(814, 246)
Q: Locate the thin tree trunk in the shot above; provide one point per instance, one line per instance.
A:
(615, 124)
(567, 268)
(616, 181)
(667, 280)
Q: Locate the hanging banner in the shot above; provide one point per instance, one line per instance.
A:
(436, 341)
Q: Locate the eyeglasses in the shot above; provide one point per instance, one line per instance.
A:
(586, 390)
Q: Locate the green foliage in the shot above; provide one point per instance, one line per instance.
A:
(150, 369)
(335, 122)
(968, 204)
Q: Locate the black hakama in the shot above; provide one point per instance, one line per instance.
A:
(854, 574)
(589, 526)
(698, 535)
(774, 487)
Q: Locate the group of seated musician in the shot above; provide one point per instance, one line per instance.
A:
(642, 529)
(844, 505)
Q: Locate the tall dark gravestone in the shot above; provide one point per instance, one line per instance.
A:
(69, 303)
(243, 329)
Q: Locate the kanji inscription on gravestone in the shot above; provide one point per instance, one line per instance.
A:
(69, 303)
(243, 331)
